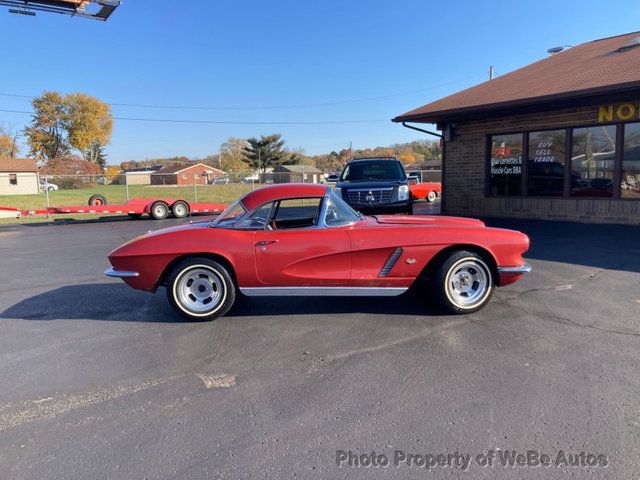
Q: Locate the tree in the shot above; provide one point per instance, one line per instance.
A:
(46, 134)
(8, 142)
(95, 153)
(232, 155)
(267, 151)
(88, 123)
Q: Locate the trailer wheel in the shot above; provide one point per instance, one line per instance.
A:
(159, 211)
(432, 196)
(97, 200)
(180, 209)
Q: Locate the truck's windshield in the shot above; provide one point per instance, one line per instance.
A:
(373, 170)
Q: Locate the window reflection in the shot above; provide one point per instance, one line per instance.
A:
(592, 161)
(506, 165)
(630, 180)
(545, 163)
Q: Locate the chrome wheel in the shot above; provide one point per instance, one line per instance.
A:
(199, 290)
(468, 283)
(180, 210)
(159, 210)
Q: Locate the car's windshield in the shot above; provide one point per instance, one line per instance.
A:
(373, 170)
(339, 213)
(230, 216)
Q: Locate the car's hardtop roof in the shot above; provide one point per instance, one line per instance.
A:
(368, 159)
(278, 192)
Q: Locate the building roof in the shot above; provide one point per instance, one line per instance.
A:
(600, 66)
(300, 168)
(17, 165)
(258, 197)
(174, 169)
(150, 169)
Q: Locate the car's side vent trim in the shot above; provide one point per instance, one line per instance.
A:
(390, 263)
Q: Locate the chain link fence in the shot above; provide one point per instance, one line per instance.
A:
(31, 190)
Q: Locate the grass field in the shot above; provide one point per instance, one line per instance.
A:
(117, 194)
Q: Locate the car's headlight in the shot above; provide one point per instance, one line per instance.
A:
(403, 192)
(337, 191)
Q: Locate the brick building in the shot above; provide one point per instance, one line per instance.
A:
(198, 173)
(557, 139)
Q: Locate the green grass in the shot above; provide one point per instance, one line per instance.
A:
(116, 194)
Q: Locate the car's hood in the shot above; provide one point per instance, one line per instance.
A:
(428, 220)
(125, 247)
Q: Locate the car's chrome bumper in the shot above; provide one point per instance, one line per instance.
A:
(112, 272)
(526, 268)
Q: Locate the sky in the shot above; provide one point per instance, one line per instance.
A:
(360, 61)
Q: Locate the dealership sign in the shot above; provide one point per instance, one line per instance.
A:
(618, 112)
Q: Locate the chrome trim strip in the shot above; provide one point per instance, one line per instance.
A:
(526, 268)
(322, 291)
(390, 263)
(372, 189)
(112, 272)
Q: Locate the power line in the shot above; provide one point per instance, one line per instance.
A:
(276, 107)
(223, 122)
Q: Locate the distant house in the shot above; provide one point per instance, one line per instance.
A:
(18, 176)
(137, 176)
(198, 173)
(295, 174)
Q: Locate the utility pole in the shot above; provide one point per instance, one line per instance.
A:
(491, 73)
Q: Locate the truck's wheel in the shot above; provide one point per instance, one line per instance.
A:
(463, 283)
(200, 289)
(180, 209)
(432, 196)
(159, 211)
(97, 200)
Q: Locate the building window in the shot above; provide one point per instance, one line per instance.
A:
(593, 152)
(505, 176)
(196, 176)
(13, 179)
(545, 163)
(630, 179)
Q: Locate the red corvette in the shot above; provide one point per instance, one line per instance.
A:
(300, 239)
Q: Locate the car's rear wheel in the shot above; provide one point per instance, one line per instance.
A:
(432, 196)
(159, 210)
(180, 209)
(201, 289)
(463, 283)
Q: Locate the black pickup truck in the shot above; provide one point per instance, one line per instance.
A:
(375, 185)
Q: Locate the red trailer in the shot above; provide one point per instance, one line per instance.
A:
(157, 208)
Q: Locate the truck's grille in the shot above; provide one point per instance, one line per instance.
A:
(370, 196)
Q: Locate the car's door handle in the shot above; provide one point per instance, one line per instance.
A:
(262, 243)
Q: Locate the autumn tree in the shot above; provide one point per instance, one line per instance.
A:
(61, 123)
(88, 123)
(267, 151)
(232, 155)
(46, 136)
(95, 153)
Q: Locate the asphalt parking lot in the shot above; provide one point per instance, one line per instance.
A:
(100, 381)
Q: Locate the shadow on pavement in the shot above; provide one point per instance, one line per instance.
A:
(613, 247)
(120, 303)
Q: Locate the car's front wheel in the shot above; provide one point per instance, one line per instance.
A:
(463, 283)
(201, 289)
(432, 196)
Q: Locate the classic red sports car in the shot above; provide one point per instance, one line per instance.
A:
(427, 190)
(301, 239)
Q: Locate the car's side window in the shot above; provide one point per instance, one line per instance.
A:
(296, 213)
(258, 219)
